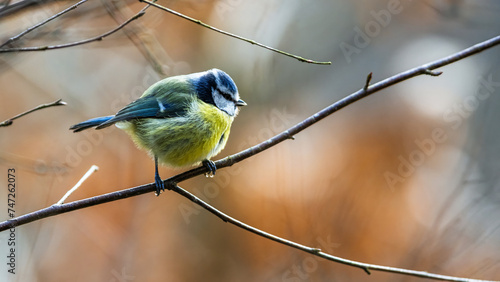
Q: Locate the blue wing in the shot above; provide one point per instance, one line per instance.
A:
(90, 123)
(147, 107)
(165, 99)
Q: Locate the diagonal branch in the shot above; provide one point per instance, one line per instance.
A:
(365, 91)
(17, 37)
(76, 43)
(8, 9)
(42, 106)
(91, 170)
(138, 15)
(315, 251)
(233, 35)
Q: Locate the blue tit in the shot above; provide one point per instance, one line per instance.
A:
(181, 120)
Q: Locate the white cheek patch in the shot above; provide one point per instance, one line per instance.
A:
(223, 104)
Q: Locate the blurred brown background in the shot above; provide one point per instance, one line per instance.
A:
(407, 177)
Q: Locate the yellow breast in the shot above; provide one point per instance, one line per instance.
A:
(182, 141)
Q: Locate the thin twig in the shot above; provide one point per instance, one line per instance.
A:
(14, 38)
(432, 73)
(43, 106)
(368, 80)
(92, 169)
(228, 161)
(141, 13)
(135, 34)
(233, 35)
(18, 5)
(72, 44)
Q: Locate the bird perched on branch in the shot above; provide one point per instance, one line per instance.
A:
(181, 120)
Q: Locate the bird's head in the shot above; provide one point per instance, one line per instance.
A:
(217, 88)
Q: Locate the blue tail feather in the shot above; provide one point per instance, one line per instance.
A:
(90, 123)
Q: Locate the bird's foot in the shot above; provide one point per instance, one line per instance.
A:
(159, 185)
(210, 166)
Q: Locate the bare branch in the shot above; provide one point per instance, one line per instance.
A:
(116, 10)
(43, 106)
(14, 38)
(315, 251)
(138, 15)
(233, 35)
(18, 5)
(91, 170)
(81, 42)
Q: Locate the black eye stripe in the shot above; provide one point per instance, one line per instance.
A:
(226, 95)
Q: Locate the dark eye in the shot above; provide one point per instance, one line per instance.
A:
(227, 96)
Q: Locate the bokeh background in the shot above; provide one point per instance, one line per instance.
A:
(407, 177)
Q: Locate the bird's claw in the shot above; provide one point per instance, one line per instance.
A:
(159, 185)
(211, 168)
